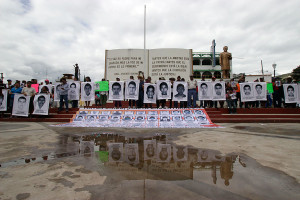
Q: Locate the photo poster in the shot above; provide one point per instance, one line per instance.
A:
(290, 93)
(74, 91)
(219, 93)
(116, 89)
(247, 93)
(163, 89)
(49, 86)
(57, 88)
(132, 153)
(132, 89)
(180, 91)
(86, 148)
(180, 153)
(149, 149)
(163, 152)
(41, 104)
(3, 100)
(87, 91)
(115, 152)
(36, 87)
(97, 86)
(149, 93)
(298, 93)
(205, 90)
(260, 91)
(21, 105)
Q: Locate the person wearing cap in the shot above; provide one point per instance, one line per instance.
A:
(9, 85)
(192, 92)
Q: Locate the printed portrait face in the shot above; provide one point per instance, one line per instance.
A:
(21, 103)
(73, 88)
(116, 89)
(87, 89)
(116, 154)
(163, 155)
(290, 91)
(180, 89)
(131, 154)
(164, 88)
(180, 153)
(41, 101)
(151, 118)
(131, 88)
(203, 89)
(218, 89)
(247, 90)
(150, 150)
(258, 89)
(79, 118)
(150, 92)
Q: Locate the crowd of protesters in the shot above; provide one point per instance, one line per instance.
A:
(233, 96)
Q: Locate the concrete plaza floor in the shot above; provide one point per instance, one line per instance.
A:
(269, 156)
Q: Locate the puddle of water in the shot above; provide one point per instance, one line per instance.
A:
(157, 166)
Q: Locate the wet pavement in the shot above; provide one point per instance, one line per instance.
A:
(236, 162)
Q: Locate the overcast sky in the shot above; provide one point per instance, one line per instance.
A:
(50, 36)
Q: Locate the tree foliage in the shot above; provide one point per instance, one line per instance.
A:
(296, 73)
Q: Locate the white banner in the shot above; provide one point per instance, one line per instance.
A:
(21, 105)
(180, 91)
(260, 91)
(149, 93)
(218, 91)
(3, 100)
(41, 104)
(170, 63)
(132, 89)
(74, 91)
(205, 90)
(116, 89)
(87, 91)
(290, 93)
(164, 89)
(247, 93)
(123, 63)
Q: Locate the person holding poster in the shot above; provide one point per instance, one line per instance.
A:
(218, 91)
(3, 99)
(192, 92)
(141, 91)
(131, 91)
(103, 92)
(87, 91)
(41, 104)
(16, 89)
(116, 92)
(21, 105)
(290, 94)
(181, 91)
(150, 94)
(63, 94)
(29, 91)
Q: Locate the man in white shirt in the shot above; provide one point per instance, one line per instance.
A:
(29, 91)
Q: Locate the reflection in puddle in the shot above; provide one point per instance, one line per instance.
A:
(131, 158)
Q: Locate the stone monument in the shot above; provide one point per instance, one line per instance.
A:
(225, 58)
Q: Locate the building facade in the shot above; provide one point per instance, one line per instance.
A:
(203, 65)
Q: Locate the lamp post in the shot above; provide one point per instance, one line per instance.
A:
(274, 67)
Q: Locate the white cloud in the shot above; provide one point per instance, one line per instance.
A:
(42, 35)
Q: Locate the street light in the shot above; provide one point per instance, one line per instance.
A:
(274, 67)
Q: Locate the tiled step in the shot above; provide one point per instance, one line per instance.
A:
(255, 120)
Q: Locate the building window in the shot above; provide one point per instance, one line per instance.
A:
(206, 62)
(197, 74)
(196, 62)
(217, 61)
(217, 74)
(207, 75)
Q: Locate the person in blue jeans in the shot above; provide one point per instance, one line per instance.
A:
(192, 92)
(63, 94)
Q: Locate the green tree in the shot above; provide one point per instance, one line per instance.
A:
(296, 73)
